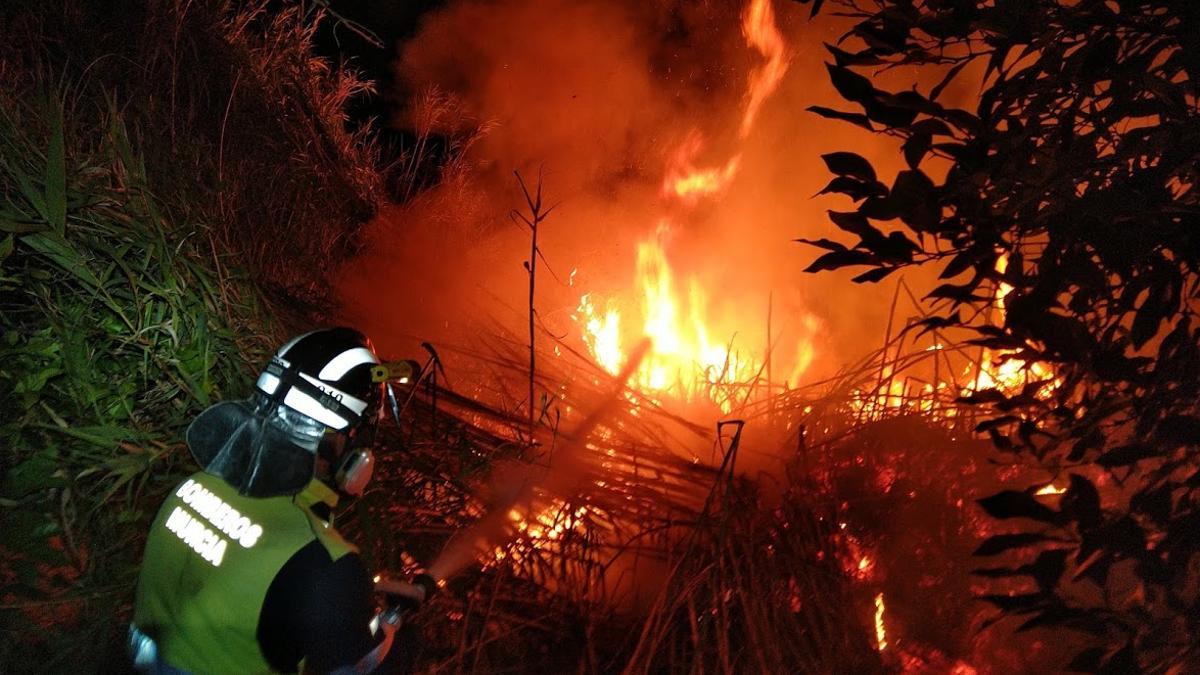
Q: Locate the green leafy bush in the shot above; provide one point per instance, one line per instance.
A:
(116, 328)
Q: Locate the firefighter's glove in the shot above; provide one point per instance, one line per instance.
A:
(408, 596)
(428, 586)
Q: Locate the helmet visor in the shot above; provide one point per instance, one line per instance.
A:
(262, 453)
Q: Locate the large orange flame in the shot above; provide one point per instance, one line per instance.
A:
(687, 361)
(692, 358)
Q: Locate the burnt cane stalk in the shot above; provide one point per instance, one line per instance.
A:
(537, 213)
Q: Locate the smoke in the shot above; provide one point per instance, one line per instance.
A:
(598, 95)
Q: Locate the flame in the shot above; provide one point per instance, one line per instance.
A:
(541, 530)
(1009, 375)
(995, 369)
(1051, 490)
(880, 630)
(601, 332)
(691, 356)
(686, 182)
(758, 27)
(687, 362)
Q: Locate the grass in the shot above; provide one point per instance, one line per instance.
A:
(116, 332)
(159, 162)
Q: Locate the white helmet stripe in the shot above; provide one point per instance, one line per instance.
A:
(355, 404)
(342, 363)
(307, 405)
(267, 383)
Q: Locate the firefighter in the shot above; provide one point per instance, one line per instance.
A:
(244, 571)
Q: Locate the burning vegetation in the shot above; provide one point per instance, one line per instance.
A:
(698, 458)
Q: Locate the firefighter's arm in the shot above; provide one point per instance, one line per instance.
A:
(346, 634)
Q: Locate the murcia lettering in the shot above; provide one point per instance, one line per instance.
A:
(220, 515)
(208, 544)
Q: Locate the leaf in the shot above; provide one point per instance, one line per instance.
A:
(1125, 455)
(854, 118)
(29, 191)
(960, 294)
(1081, 502)
(875, 275)
(1121, 663)
(1090, 441)
(845, 58)
(1063, 335)
(854, 188)
(878, 208)
(889, 115)
(1000, 543)
(996, 62)
(827, 244)
(62, 254)
(910, 101)
(1017, 602)
(1013, 504)
(851, 85)
(1155, 504)
(911, 190)
(816, 6)
(56, 174)
(39, 472)
(1060, 615)
(996, 572)
(1087, 660)
(915, 149)
(962, 119)
(933, 127)
(849, 164)
(1113, 366)
(855, 223)
(838, 259)
(1175, 429)
(1048, 568)
(6, 247)
(1145, 324)
(956, 151)
(1123, 536)
(935, 322)
(950, 75)
(895, 248)
(8, 224)
(984, 396)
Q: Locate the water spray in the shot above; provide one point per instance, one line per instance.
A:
(406, 597)
(496, 526)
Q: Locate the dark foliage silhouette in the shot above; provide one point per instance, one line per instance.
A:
(1077, 168)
